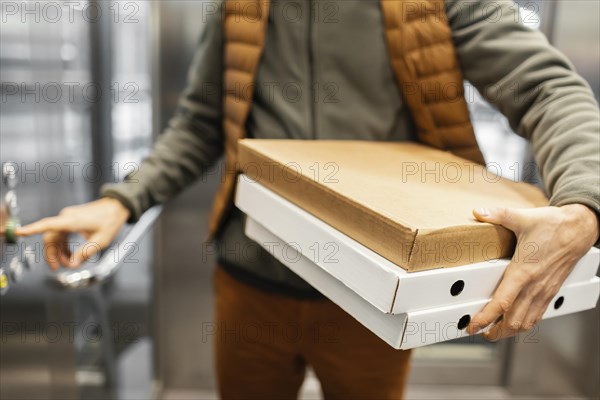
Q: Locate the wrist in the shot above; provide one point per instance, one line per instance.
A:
(586, 220)
(117, 208)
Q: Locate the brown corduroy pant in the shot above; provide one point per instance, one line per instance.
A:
(264, 342)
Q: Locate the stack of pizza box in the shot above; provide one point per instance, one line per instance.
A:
(386, 231)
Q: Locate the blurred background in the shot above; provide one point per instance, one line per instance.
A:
(83, 96)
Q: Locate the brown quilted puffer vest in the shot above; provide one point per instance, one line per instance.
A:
(423, 59)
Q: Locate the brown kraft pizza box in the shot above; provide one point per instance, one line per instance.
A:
(410, 203)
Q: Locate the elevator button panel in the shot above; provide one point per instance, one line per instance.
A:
(15, 258)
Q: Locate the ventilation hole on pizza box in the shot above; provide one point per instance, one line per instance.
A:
(464, 321)
(559, 302)
(457, 287)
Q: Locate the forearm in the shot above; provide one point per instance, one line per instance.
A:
(564, 130)
(179, 158)
(536, 88)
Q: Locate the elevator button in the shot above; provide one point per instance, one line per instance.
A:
(10, 230)
(3, 282)
(9, 174)
(12, 205)
(17, 269)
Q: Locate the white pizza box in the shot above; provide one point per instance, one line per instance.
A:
(380, 282)
(415, 328)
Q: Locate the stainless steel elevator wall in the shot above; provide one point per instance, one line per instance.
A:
(57, 343)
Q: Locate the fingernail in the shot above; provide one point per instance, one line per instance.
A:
(484, 212)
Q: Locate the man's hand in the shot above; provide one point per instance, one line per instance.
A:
(98, 222)
(550, 241)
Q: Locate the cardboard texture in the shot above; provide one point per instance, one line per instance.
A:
(381, 283)
(417, 328)
(407, 202)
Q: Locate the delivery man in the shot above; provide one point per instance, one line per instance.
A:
(388, 70)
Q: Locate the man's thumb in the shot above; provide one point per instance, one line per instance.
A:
(507, 217)
(87, 250)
